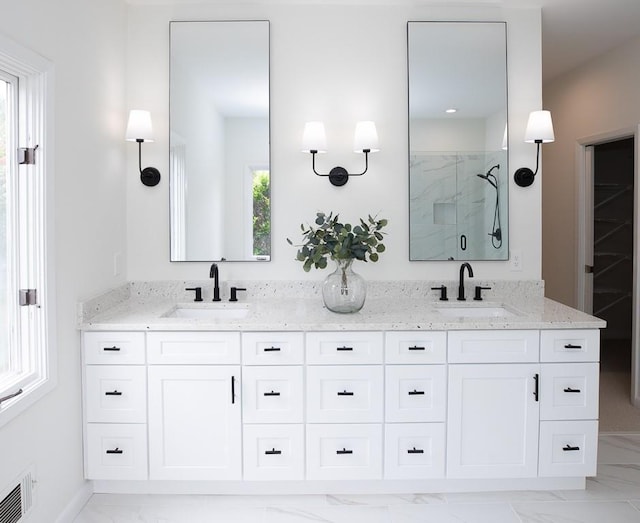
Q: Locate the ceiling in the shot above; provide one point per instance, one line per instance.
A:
(573, 31)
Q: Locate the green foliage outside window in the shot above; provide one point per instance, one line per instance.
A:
(261, 213)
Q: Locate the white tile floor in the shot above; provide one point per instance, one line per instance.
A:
(611, 497)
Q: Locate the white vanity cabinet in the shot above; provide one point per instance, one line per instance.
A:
(345, 401)
(415, 404)
(240, 410)
(115, 405)
(273, 406)
(194, 408)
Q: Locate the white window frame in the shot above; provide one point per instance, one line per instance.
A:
(33, 336)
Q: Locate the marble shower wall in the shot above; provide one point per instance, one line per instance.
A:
(451, 210)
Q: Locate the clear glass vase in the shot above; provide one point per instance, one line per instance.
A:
(344, 291)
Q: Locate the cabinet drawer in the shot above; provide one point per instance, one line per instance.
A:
(415, 393)
(116, 451)
(272, 348)
(335, 348)
(570, 345)
(569, 391)
(517, 346)
(414, 450)
(568, 448)
(345, 394)
(343, 452)
(273, 452)
(415, 347)
(272, 394)
(193, 347)
(113, 348)
(116, 394)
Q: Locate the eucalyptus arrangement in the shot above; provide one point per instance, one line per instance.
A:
(339, 241)
(343, 290)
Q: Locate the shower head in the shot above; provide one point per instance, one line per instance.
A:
(486, 177)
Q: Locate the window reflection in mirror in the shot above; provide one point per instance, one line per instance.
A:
(220, 185)
(457, 141)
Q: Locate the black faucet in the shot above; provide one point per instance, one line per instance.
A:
(461, 284)
(213, 273)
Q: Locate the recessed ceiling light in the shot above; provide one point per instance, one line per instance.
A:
(451, 111)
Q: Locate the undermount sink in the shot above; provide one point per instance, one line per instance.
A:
(475, 311)
(209, 311)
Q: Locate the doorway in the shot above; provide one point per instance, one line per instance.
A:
(608, 269)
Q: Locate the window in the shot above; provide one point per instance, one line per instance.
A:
(261, 213)
(26, 349)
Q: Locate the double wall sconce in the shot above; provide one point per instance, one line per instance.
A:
(539, 130)
(365, 141)
(139, 129)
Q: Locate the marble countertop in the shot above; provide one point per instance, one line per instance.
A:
(408, 307)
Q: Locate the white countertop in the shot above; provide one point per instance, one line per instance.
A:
(412, 308)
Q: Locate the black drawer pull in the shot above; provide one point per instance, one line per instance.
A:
(415, 451)
(273, 452)
(569, 448)
(272, 393)
(113, 393)
(415, 347)
(114, 451)
(343, 348)
(569, 389)
(415, 392)
(536, 387)
(272, 349)
(572, 346)
(344, 451)
(345, 393)
(111, 349)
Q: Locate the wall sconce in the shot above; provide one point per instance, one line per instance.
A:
(139, 129)
(539, 130)
(365, 141)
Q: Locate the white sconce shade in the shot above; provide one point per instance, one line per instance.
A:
(539, 128)
(139, 126)
(365, 137)
(314, 138)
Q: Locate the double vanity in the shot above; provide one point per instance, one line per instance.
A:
(274, 393)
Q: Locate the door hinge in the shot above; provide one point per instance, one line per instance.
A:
(28, 297)
(27, 155)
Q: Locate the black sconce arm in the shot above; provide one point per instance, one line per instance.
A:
(524, 176)
(149, 176)
(338, 176)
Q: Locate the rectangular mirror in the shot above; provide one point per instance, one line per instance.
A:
(220, 185)
(458, 184)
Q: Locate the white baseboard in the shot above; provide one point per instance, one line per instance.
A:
(76, 504)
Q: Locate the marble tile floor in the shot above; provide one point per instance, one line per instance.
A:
(611, 497)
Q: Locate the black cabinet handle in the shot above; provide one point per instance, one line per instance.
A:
(233, 389)
(111, 349)
(572, 346)
(344, 451)
(113, 393)
(463, 242)
(415, 347)
(343, 348)
(536, 380)
(569, 389)
(273, 452)
(345, 393)
(271, 393)
(114, 451)
(569, 448)
(415, 392)
(272, 349)
(415, 451)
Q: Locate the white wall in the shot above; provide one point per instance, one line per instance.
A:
(598, 98)
(339, 64)
(84, 40)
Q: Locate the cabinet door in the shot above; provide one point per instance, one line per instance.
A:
(272, 394)
(194, 422)
(493, 418)
(415, 393)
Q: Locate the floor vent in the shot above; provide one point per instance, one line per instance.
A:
(17, 500)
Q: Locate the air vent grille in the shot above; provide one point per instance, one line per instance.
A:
(18, 500)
